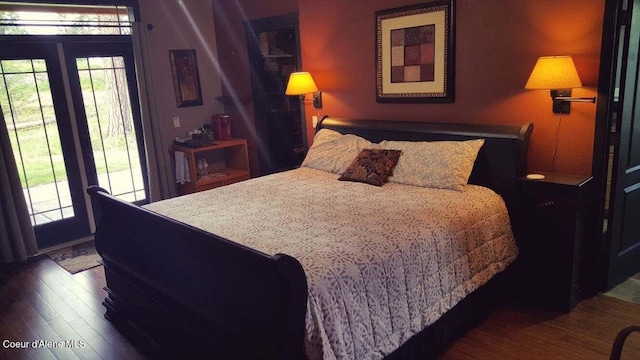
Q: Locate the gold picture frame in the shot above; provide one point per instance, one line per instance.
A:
(415, 53)
(186, 80)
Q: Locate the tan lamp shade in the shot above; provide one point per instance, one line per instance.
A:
(300, 83)
(554, 72)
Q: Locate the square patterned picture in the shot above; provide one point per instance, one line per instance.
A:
(414, 53)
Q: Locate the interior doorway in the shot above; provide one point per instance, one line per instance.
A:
(274, 53)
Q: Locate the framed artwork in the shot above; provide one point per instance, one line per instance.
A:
(415, 53)
(186, 81)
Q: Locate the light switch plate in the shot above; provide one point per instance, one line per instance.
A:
(314, 121)
(176, 121)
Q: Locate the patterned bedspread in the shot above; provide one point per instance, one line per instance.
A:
(382, 263)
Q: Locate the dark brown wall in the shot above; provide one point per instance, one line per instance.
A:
(497, 45)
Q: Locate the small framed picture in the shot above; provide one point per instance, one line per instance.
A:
(186, 81)
(415, 53)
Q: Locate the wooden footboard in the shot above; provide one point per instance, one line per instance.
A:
(183, 292)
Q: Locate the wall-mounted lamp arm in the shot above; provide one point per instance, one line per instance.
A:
(562, 100)
(576, 99)
(317, 99)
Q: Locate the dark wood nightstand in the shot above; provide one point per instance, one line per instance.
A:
(555, 235)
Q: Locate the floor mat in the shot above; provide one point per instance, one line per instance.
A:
(77, 258)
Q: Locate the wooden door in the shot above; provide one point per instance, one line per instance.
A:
(624, 211)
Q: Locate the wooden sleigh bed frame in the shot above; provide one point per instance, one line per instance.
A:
(178, 291)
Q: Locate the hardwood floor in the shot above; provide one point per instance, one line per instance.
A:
(41, 301)
(587, 332)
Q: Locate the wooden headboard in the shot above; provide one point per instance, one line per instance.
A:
(501, 160)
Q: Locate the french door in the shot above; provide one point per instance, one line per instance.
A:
(35, 109)
(72, 113)
(109, 121)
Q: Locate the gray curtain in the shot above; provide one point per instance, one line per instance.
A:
(158, 159)
(17, 239)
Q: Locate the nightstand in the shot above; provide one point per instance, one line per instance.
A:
(228, 163)
(555, 236)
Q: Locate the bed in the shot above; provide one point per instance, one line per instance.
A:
(316, 267)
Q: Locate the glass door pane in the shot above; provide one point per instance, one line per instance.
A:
(107, 107)
(31, 122)
(112, 133)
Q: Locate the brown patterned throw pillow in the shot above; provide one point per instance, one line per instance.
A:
(372, 166)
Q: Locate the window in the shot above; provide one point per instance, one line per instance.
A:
(57, 19)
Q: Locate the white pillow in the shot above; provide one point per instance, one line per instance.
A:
(435, 164)
(334, 152)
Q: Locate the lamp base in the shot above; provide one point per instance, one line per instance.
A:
(317, 100)
(561, 106)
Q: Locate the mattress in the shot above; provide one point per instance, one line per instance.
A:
(382, 263)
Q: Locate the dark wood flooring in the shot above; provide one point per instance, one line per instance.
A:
(587, 332)
(41, 301)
